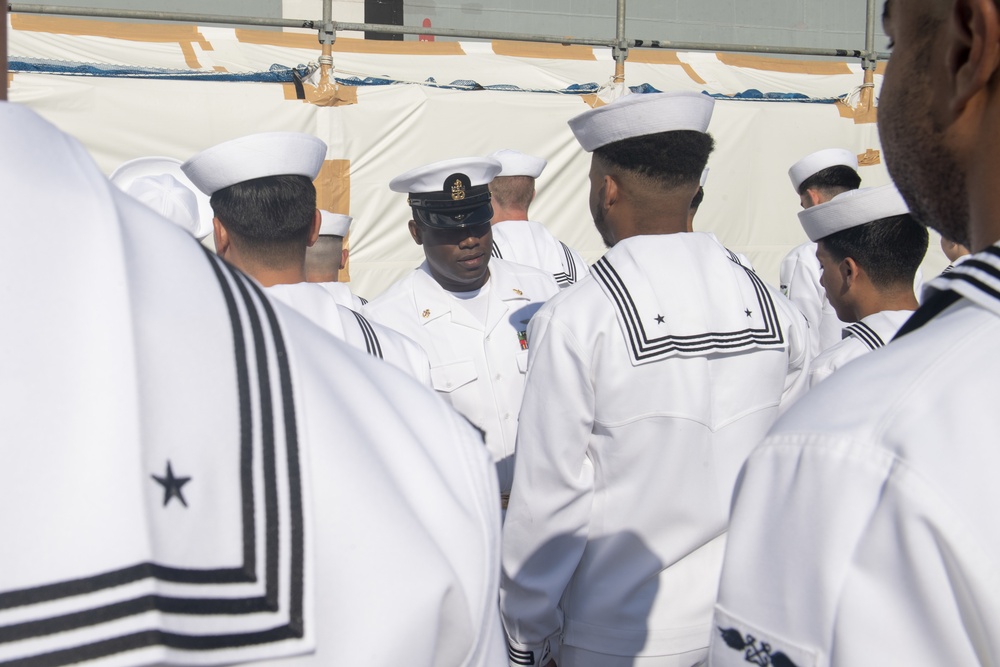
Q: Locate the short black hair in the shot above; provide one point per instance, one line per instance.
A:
(832, 180)
(671, 158)
(889, 250)
(269, 210)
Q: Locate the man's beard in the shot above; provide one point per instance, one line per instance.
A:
(922, 167)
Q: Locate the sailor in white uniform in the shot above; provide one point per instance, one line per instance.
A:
(159, 183)
(517, 238)
(817, 178)
(869, 249)
(647, 387)
(184, 474)
(863, 529)
(469, 312)
(326, 258)
(265, 218)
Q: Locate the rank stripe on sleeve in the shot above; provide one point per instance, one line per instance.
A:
(50, 649)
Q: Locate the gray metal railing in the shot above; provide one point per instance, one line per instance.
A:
(327, 29)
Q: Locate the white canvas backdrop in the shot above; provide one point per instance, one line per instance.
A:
(749, 201)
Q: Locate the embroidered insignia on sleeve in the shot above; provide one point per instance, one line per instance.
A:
(754, 652)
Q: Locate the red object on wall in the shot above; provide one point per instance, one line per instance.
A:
(426, 38)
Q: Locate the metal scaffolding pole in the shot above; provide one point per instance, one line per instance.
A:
(621, 46)
(866, 100)
(744, 48)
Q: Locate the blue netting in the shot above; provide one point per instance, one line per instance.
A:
(751, 94)
(285, 74)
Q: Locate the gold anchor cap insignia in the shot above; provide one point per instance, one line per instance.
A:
(457, 190)
(426, 314)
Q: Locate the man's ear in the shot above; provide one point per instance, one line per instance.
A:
(343, 259)
(814, 196)
(973, 54)
(314, 230)
(415, 233)
(609, 191)
(849, 272)
(221, 238)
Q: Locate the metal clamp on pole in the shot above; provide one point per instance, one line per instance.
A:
(621, 55)
(328, 33)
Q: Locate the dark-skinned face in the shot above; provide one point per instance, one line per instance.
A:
(458, 258)
(912, 122)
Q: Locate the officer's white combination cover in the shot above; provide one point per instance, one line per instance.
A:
(637, 115)
(818, 161)
(334, 224)
(852, 209)
(516, 163)
(432, 177)
(161, 197)
(256, 156)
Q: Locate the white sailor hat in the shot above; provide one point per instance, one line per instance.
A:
(155, 196)
(256, 156)
(334, 224)
(852, 209)
(637, 115)
(515, 163)
(816, 162)
(450, 194)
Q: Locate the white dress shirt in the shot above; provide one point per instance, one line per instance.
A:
(478, 367)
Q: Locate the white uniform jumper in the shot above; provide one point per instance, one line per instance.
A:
(870, 333)
(799, 276)
(648, 385)
(184, 473)
(343, 295)
(864, 529)
(529, 242)
(349, 325)
(478, 367)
